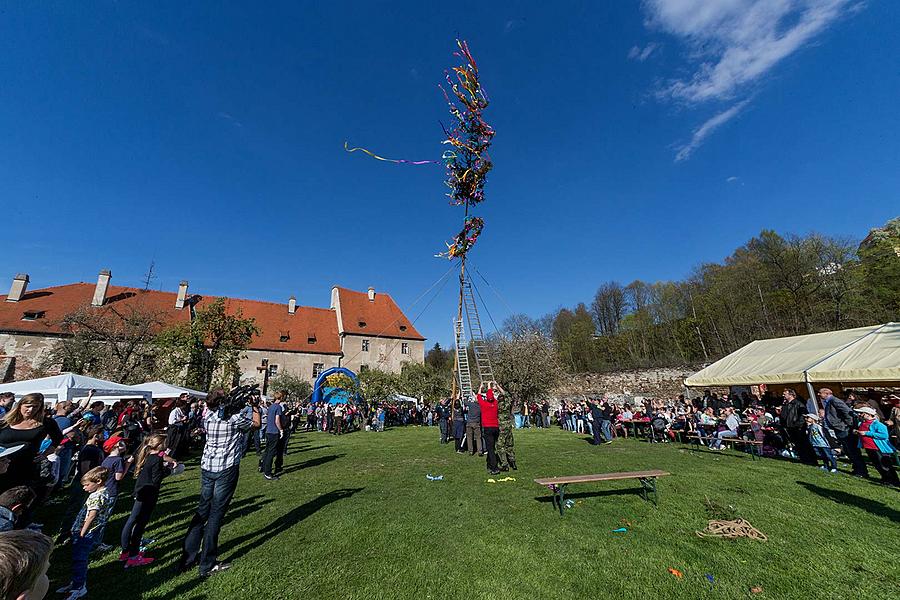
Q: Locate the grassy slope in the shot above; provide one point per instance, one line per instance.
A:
(355, 517)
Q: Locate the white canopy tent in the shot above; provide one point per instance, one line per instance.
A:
(161, 389)
(402, 398)
(862, 356)
(69, 386)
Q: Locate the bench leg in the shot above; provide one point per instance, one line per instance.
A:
(648, 487)
(561, 499)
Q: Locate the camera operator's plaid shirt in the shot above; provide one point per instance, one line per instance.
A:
(225, 440)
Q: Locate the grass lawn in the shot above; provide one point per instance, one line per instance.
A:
(355, 517)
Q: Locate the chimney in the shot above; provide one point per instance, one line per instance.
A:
(292, 305)
(17, 290)
(371, 294)
(182, 295)
(102, 287)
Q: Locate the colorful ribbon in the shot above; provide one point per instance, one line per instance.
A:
(399, 161)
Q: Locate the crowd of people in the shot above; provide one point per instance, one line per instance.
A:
(861, 424)
(78, 455)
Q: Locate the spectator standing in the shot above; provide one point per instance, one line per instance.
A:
(274, 436)
(473, 426)
(459, 426)
(219, 471)
(506, 455)
(26, 423)
(793, 420)
(90, 520)
(839, 418)
(7, 399)
(89, 457)
(443, 412)
(116, 464)
(873, 439)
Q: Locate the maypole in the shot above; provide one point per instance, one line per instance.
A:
(467, 165)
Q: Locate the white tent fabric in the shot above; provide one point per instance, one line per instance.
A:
(402, 398)
(69, 386)
(861, 355)
(161, 389)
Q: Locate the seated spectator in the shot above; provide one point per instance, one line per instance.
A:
(24, 561)
(730, 431)
(14, 502)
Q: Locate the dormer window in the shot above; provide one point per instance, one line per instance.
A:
(311, 339)
(33, 315)
(284, 337)
(362, 324)
(403, 328)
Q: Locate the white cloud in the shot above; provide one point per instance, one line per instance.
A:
(733, 44)
(704, 131)
(641, 54)
(736, 42)
(732, 179)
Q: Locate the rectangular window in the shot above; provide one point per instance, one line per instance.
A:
(317, 369)
(404, 348)
(273, 370)
(363, 368)
(365, 345)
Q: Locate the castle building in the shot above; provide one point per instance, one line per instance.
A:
(359, 330)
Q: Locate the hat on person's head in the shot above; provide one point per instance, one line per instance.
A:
(811, 416)
(866, 410)
(109, 444)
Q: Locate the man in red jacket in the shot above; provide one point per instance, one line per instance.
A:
(490, 424)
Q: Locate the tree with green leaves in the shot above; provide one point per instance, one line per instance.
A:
(204, 353)
(423, 381)
(377, 385)
(295, 387)
(527, 365)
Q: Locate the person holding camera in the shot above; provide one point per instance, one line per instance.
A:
(227, 428)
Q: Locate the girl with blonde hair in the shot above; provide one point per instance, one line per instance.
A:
(151, 465)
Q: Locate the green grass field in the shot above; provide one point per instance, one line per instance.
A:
(355, 517)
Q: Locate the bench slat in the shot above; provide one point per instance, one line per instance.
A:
(599, 477)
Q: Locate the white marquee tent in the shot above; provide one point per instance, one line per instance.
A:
(69, 386)
(161, 389)
(862, 356)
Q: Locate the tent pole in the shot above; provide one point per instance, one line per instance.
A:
(811, 391)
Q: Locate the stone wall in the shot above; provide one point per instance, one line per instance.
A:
(27, 350)
(625, 385)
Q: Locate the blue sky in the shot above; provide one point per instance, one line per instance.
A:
(634, 140)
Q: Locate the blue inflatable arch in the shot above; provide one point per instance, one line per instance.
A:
(319, 387)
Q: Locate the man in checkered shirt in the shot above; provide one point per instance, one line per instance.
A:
(219, 472)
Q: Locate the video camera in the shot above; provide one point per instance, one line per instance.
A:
(239, 398)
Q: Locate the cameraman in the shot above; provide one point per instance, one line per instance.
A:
(219, 470)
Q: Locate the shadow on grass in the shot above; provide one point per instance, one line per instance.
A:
(594, 494)
(241, 545)
(313, 462)
(871, 506)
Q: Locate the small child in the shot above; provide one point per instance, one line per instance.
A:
(26, 559)
(819, 443)
(117, 465)
(150, 468)
(89, 522)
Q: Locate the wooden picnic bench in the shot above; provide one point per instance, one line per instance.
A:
(558, 485)
(755, 447)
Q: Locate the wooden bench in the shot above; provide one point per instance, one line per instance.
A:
(755, 447)
(558, 485)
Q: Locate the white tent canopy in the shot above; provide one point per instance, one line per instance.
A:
(69, 386)
(402, 398)
(868, 355)
(161, 389)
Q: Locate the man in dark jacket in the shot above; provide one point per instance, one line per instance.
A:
(794, 423)
(473, 426)
(443, 413)
(839, 418)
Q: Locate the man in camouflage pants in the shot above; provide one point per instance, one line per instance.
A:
(506, 455)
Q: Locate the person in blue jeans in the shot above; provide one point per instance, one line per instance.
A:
(90, 520)
(819, 443)
(219, 471)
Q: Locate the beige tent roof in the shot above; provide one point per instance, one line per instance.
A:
(865, 354)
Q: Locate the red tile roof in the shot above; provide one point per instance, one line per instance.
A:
(273, 320)
(381, 317)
